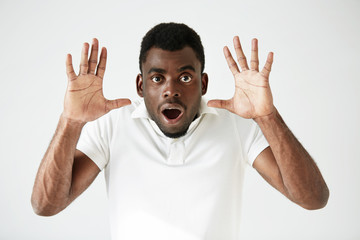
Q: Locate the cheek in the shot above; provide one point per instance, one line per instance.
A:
(151, 96)
(195, 91)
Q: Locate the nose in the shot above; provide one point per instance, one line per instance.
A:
(171, 89)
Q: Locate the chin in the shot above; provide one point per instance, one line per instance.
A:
(175, 130)
(172, 131)
(174, 135)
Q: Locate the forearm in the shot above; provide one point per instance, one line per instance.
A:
(51, 192)
(302, 180)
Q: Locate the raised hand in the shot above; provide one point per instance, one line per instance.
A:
(252, 98)
(84, 99)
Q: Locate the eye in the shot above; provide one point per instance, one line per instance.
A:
(156, 79)
(185, 78)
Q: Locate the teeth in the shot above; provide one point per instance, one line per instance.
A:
(172, 107)
(169, 109)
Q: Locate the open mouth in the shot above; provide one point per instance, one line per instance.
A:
(172, 113)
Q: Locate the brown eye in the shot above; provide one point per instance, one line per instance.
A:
(156, 79)
(185, 78)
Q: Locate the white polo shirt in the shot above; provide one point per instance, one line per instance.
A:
(187, 188)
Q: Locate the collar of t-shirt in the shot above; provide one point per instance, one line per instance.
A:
(176, 146)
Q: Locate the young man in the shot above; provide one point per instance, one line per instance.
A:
(173, 164)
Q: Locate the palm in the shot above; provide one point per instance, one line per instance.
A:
(86, 96)
(252, 96)
(84, 99)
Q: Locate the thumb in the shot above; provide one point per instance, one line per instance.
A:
(117, 103)
(217, 103)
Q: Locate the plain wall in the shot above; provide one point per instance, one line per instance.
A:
(315, 83)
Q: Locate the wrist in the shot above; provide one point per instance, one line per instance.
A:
(267, 118)
(71, 123)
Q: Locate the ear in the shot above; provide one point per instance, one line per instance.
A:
(204, 83)
(139, 85)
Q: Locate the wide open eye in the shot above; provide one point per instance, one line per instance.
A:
(156, 79)
(185, 78)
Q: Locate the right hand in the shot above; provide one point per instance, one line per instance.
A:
(84, 99)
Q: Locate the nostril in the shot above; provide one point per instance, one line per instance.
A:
(171, 94)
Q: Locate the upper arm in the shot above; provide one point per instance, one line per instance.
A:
(83, 174)
(265, 164)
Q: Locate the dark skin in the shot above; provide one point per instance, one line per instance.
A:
(66, 172)
(173, 80)
(286, 165)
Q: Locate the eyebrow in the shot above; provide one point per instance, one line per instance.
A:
(163, 71)
(157, 70)
(187, 67)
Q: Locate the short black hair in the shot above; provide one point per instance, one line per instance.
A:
(172, 37)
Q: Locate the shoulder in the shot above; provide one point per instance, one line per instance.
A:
(123, 112)
(225, 116)
(112, 118)
(245, 128)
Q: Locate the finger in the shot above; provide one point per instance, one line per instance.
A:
(93, 56)
(225, 104)
(102, 64)
(84, 59)
(69, 68)
(117, 103)
(254, 64)
(240, 54)
(230, 61)
(267, 68)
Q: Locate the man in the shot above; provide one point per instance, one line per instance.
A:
(173, 164)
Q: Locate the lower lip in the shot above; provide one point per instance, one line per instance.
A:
(172, 121)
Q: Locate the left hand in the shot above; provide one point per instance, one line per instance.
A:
(252, 98)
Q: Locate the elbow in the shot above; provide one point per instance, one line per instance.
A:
(317, 201)
(41, 208)
(314, 205)
(43, 212)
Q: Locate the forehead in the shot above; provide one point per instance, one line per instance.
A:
(171, 60)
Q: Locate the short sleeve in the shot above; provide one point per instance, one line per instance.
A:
(256, 143)
(252, 138)
(94, 141)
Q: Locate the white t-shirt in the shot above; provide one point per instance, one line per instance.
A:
(161, 188)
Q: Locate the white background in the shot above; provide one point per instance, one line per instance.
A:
(315, 83)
